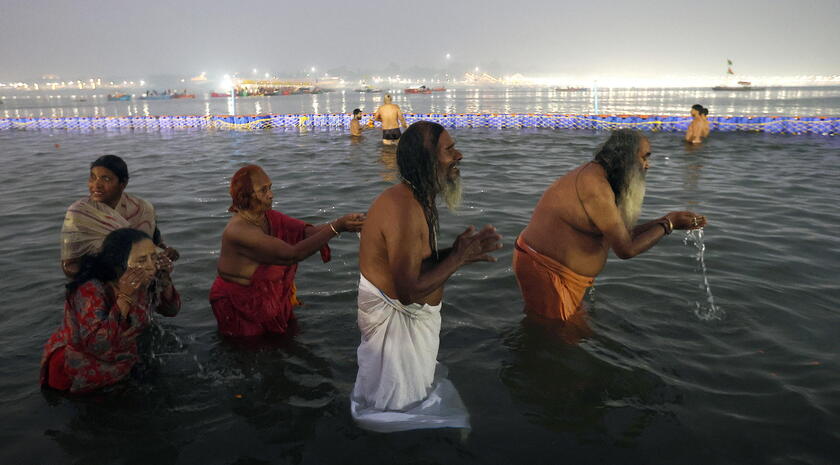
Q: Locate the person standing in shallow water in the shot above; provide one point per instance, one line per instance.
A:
(583, 215)
(392, 118)
(699, 127)
(355, 124)
(254, 292)
(107, 306)
(399, 385)
(107, 208)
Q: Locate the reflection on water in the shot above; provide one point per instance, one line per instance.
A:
(694, 167)
(814, 101)
(388, 158)
(564, 387)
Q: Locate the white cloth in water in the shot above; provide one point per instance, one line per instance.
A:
(400, 386)
(87, 222)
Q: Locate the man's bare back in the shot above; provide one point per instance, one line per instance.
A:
(391, 116)
(559, 214)
(395, 213)
(355, 128)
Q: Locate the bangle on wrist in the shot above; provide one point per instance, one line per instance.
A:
(334, 230)
(667, 225)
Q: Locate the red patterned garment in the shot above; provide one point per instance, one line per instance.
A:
(266, 305)
(96, 346)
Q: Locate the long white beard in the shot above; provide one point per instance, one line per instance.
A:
(631, 200)
(451, 192)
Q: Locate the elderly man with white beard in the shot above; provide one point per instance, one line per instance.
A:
(580, 217)
(400, 386)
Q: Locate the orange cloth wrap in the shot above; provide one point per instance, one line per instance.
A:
(550, 289)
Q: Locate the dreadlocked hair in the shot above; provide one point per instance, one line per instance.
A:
(618, 155)
(418, 165)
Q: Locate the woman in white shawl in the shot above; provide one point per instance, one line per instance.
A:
(107, 209)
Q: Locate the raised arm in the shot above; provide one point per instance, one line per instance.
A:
(351, 222)
(262, 248)
(599, 201)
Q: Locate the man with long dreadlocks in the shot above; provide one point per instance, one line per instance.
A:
(400, 385)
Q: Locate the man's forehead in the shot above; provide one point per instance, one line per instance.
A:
(445, 140)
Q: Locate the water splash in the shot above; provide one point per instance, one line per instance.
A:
(707, 311)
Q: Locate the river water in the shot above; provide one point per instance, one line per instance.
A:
(656, 381)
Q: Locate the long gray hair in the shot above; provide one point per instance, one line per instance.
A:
(619, 156)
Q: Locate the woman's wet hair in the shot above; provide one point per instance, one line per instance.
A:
(618, 155)
(417, 159)
(697, 107)
(115, 164)
(704, 111)
(242, 188)
(356, 112)
(111, 261)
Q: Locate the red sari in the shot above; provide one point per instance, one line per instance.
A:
(266, 305)
(96, 346)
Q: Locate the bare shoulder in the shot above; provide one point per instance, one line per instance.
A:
(396, 202)
(592, 183)
(395, 209)
(236, 231)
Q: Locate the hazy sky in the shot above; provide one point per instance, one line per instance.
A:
(77, 38)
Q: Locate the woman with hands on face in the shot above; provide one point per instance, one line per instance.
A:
(107, 307)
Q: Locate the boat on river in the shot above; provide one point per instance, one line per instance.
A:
(417, 90)
(742, 86)
(368, 90)
(155, 96)
(729, 85)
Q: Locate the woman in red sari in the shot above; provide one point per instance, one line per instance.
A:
(254, 292)
(107, 306)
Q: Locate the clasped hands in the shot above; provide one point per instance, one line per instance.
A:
(471, 246)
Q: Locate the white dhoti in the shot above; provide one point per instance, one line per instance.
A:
(400, 386)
